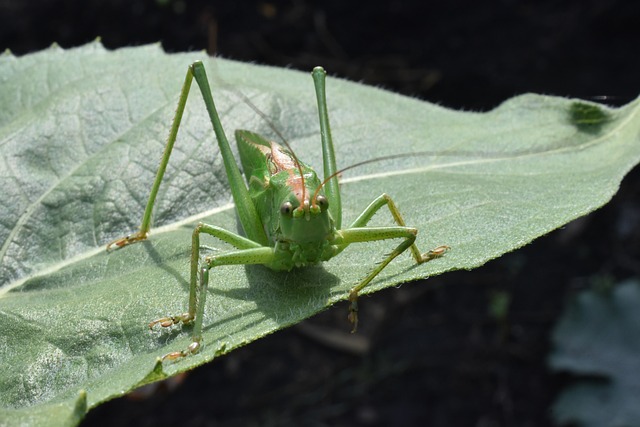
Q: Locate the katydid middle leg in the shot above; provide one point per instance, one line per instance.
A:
(248, 252)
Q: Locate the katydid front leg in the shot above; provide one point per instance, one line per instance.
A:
(358, 232)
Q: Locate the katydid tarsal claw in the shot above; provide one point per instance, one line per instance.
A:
(289, 216)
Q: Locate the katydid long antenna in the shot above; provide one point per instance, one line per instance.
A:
(374, 160)
(313, 199)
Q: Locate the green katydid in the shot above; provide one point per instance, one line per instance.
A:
(289, 216)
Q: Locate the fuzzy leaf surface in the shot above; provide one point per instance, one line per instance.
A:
(81, 135)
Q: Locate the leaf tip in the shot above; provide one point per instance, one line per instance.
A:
(79, 408)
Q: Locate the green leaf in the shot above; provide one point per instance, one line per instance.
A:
(597, 339)
(82, 132)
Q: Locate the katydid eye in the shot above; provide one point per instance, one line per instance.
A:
(322, 202)
(286, 208)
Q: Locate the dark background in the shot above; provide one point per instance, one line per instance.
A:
(430, 354)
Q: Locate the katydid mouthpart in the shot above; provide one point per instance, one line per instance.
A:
(289, 216)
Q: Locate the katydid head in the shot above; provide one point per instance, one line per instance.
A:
(283, 184)
(316, 227)
(300, 220)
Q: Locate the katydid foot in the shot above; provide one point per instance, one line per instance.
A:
(353, 310)
(193, 348)
(165, 322)
(127, 240)
(434, 253)
(168, 321)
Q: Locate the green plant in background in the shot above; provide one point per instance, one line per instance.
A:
(80, 133)
(596, 340)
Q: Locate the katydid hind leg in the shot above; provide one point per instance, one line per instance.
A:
(145, 224)
(332, 187)
(247, 212)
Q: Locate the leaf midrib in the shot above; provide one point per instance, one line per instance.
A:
(175, 225)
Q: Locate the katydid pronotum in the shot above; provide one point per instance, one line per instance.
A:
(289, 216)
